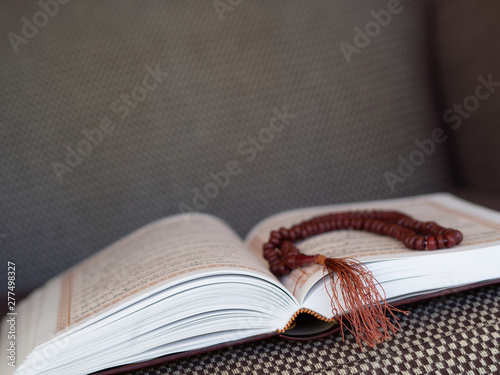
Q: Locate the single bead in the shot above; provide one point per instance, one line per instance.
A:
(276, 234)
(395, 229)
(402, 221)
(458, 236)
(389, 229)
(268, 245)
(328, 225)
(418, 226)
(339, 224)
(315, 227)
(374, 226)
(410, 223)
(275, 259)
(420, 243)
(333, 224)
(407, 243)
(287, 249)
(440, 242)
(269, 251)
(404, 233)
(397, 232)
(379, 228)
(311, 229)
(431, 243)
(412, 240)
(284, 233)
(368, 225)
(346, 223)
(356, 223)
(298, 231)
(280, 269)
(284, 249)
(449, 240)
(428, 227)
(321, 227)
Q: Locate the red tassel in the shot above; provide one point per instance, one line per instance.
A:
(364, 307)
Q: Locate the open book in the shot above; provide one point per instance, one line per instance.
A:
(188, 283)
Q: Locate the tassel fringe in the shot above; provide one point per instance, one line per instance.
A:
(363, 306)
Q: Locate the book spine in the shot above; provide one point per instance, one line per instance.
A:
(305, 311)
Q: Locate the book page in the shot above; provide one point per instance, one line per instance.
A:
(479, 227)
(162, 254)
(173, 285)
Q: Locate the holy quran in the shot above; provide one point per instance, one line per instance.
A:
(189, 283)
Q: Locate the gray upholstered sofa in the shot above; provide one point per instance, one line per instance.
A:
(179, 89)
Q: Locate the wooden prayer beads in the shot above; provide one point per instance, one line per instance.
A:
(283, 256)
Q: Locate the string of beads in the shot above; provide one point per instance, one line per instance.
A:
(283, 256)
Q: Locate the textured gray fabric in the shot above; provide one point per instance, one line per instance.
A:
(225, 77)
(467, 48)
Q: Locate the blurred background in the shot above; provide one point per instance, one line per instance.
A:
(114, 114)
